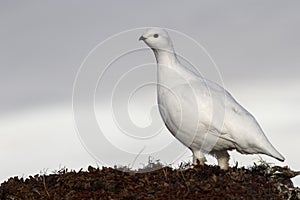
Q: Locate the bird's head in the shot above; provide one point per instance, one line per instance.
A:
(157, 39)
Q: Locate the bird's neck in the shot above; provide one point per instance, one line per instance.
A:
(169, 70)
(165, 58)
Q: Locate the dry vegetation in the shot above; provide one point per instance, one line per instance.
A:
(199, 182)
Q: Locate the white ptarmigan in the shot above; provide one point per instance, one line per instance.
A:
(200, 113)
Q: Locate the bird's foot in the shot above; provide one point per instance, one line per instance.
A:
(200, 161)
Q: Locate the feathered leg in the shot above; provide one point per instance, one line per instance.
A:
(223, 159)
(198, 155)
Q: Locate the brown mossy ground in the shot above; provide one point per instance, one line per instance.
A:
(199, 182)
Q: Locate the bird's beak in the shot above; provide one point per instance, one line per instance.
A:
(142, 38)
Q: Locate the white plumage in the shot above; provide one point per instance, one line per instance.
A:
(200, 113)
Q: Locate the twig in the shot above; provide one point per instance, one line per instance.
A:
(45, 187)
(136, 157)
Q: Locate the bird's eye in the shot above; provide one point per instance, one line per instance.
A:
(155, 35)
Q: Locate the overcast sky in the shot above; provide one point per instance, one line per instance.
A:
(254, 43)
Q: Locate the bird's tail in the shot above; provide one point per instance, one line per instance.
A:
(270, 150)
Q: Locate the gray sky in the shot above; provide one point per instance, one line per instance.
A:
(43, 43)
(255, 44)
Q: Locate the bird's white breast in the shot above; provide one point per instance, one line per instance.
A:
(186, 107)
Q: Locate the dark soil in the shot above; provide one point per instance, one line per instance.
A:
(199, 182)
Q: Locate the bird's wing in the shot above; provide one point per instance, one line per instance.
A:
(229, 120)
